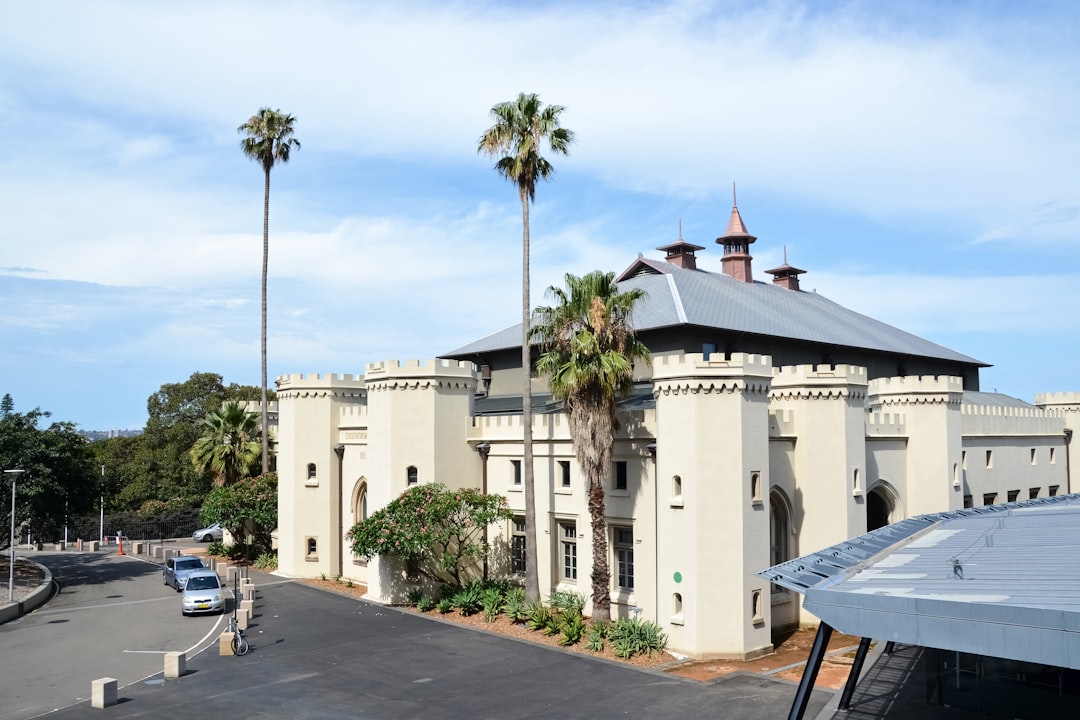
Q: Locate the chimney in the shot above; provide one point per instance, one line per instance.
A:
(681, 253)
(736, 241)
(786, 276)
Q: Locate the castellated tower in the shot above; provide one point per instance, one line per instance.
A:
(820, 469)
(1067, 406)
(712, 476)
(309, 482)
(930, 406)
(419, 415)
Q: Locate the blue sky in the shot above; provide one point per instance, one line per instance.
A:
(920, 162)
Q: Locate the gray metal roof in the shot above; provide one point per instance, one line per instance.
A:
(994, 399)
(1001, 581)
(677, 296)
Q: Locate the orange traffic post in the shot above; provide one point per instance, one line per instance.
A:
(120, 540)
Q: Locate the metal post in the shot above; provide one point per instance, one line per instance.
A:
(853, 676)
(813, 664)
(101, 527)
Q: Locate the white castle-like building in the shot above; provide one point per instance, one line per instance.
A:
(771, 422)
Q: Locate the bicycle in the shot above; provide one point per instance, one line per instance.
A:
(239, 642)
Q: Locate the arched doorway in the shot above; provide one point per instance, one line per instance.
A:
(881, 506)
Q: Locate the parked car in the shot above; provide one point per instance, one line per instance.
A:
(202, 593)
(208, 534)
(178, 568)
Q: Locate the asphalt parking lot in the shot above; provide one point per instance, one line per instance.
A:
(319, 655)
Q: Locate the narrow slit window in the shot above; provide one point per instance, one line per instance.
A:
(411, 476)
(564, 472)
(620, 475)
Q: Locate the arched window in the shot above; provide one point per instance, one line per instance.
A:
(311, 471)
(411, 475)
(360, 512)
(779, 528)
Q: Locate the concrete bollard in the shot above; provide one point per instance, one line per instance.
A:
(103, 693)
(222, 569)
(225, 643)
(137, 548)
(157, 551)
(93, 545)
(175, 664)
(248, 606)
(249, 592)
(232, 573)
(243, 617)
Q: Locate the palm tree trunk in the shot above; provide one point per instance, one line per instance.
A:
(601, 571)
(265, 264)
(532, 576)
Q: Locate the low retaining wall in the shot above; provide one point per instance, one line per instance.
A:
(10, 611)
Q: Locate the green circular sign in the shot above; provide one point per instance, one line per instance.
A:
(678, 577)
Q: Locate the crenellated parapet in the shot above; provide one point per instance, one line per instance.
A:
(415, 375)
(819, 382)
(1059, 402)
(300, 385)
(781, 423)
(996, 420)
(916, 390)
(692, 373)
(886, 425)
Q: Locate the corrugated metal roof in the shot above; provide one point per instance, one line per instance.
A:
(714, 300)
(1001, 581)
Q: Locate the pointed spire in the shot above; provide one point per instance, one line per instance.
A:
(736, 241)
(786, 276)
(681, 253)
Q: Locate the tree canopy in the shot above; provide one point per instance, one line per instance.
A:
(230, 447)
(58, 479)
(440, 529)
(248, 509)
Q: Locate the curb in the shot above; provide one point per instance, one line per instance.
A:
(15, 610)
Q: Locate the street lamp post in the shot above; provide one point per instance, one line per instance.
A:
(11, 548)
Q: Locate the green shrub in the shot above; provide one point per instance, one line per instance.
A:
(348, 582)
(514, 605)
(445, 605)
(266, 561)
(598, 632)
(537, 615)
(469, 600)
(424, 604)
(414, 597)
(566, 601)
(632, 636)
(492, 599)
(217, 548)
(573, 627)
(322, 576)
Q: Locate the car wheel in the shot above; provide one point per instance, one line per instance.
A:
(207, 538)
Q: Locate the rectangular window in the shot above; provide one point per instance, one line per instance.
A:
(568, 536)
(989, 458)
(624, 557)
(564, 470)
(989, 498)
(969, 501)
(1053, 456)
(1033, 456)
(1013, 495)
(620, 475)
(1053, 490)
(517, 471)
(517, 546)
(1033, 493)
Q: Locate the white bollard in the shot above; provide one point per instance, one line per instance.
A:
(103, 693)
(175, 664)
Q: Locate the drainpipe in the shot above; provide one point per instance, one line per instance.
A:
(339, 450)
(484, 449)
(1068, 467)
(651, 447)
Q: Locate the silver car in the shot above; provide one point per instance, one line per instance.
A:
(202, 593)
(178, 568)
(208, 534)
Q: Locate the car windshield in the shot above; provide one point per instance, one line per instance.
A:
(203, 582)
(192, 564)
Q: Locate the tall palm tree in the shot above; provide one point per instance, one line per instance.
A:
(589, 349)
(230, 444)
(268, 140)
(521, 129)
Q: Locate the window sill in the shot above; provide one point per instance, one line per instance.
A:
(564, 491)
(621, 596)
(618, 493)
(676, 502)
(515, 488)
(311, 558)
(677, 619)
(311, 483)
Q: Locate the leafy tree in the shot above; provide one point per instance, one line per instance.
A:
(438, 528)
(521, 129)
(589, 349)
(268, 140)
(230, 446)
(248, 509)
(59, 479)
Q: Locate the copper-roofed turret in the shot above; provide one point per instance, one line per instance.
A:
(786, 276)
(681, 253)
(736, 241)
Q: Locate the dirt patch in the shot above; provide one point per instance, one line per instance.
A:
(28, 577)
(787, 661)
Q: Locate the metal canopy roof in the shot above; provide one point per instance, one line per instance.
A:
(1002, 581)
(677, 296)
